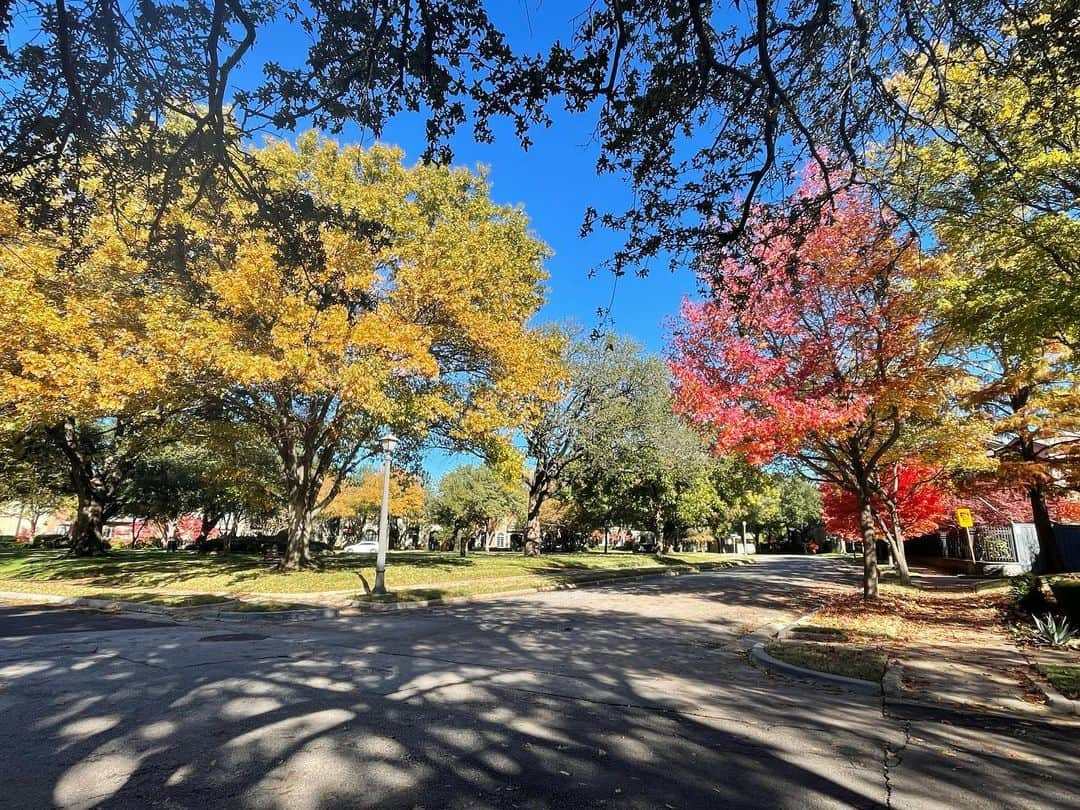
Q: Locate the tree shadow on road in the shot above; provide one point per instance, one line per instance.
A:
(508, 704)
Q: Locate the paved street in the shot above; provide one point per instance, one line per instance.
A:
(636, 694)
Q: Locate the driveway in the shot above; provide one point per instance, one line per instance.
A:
(636, 694)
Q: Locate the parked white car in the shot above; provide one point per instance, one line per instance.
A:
(363, 547)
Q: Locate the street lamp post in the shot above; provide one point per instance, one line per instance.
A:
(389, 444)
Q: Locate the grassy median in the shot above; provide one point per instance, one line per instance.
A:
(157, 575)
(851, 662)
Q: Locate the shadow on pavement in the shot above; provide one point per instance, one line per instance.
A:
(571, 699)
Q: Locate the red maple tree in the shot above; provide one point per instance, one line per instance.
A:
(813, 349)
(922, 503)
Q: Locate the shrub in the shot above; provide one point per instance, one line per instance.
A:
(1067, 594)
(1027, 593)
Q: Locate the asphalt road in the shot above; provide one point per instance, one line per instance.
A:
(636, 694)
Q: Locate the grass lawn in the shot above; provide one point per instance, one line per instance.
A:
(1065, 678)
(160, 575)
(838, 659)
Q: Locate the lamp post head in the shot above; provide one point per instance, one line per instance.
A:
(389, 443)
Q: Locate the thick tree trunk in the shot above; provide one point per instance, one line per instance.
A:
(463, 544)
(1050, 561)
(533, 528)
(206, 525)
(658, 530)
(87, 537)
(334, 534)
(300, 514)
(870, 567)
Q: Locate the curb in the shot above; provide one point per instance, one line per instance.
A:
(98, 604)
(959, 710)
(1057, 703)
(785, 632)
(272, 615)
(893, 679)
(766, 661)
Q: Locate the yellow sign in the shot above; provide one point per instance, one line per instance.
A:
(963, 518)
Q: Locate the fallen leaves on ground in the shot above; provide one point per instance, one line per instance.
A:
(908, 615)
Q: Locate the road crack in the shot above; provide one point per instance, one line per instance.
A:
(893, 758)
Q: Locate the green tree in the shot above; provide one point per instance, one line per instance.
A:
(33, 477)
(468, 497)
(605, 380)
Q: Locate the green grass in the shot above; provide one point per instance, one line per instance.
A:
(265, 606)
(184, 574)
(1065, 678)
(851, 662)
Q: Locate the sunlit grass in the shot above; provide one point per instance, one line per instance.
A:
(232, 575)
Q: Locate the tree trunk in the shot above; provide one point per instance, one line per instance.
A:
(533, 529)
(658, 530)
(87, 538)
(18, 523)
(1050, 560)
(870, 568)
(206, 525)
(895, 538)
(300, 514)
(463, 544)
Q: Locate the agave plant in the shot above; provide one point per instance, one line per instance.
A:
(1053, 630)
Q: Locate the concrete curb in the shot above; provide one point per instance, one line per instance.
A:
(766, 661)
(302, 614)
(1055, 701)
(785, 632)
(893, 679)
(977, 712)
(99, 604)
(892, 689)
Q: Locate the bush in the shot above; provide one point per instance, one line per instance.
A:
(52, 541)
(1053, 630)
(1067, 594)
(1027, 593)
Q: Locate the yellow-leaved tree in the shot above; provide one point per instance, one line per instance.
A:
(361, 498)
(89, 347)
(358, 296)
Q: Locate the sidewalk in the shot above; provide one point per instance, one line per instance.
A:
(948, 646)
(994, 678)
